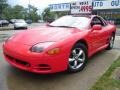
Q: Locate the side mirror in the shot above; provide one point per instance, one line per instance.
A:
(97, 27)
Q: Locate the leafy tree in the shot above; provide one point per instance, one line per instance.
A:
(33, 13)
(63, 13)
(48, 16)
(8, 12)
(3, 5)
(18, 12)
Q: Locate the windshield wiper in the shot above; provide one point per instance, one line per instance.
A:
(65, 26)
(61, 26)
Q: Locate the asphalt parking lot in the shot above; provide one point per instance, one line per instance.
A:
(14, 79)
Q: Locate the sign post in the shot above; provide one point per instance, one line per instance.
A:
(81, 7)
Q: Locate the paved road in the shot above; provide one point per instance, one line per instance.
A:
(14, 79)
(11, 26)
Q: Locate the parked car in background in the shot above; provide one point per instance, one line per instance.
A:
(40, 21)
(4, 23)
(20, 23)
(29, 21)
(12, 21)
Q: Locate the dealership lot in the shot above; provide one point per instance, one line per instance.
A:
(14, 79)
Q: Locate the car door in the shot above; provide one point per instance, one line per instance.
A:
(105, 32)
(97, 36)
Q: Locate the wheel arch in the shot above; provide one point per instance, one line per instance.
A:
(83, 42)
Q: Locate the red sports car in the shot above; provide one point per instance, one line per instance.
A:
(65, 44)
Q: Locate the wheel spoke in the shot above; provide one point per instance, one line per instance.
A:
(80, 53)
(80, 60)
(74, 52)
(75, 63)
(71, 59)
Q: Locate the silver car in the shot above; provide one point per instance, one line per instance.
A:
(20, 24)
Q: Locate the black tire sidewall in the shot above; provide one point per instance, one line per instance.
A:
(109, 46)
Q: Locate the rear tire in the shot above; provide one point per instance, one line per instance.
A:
(111, 42)
(78, 58)
(25, 28)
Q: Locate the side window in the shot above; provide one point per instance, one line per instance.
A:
(105, 24)
(97, 20)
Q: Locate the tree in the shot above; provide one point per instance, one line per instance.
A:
(48, 16)
(18, 12)
(33, 13)
(8, 12)
(3, 5)
(25, 14)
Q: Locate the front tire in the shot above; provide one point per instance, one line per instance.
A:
(111, 42)
(78, 58)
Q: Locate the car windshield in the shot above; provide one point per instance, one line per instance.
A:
(71, 21)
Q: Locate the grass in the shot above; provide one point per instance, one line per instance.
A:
(106, 82)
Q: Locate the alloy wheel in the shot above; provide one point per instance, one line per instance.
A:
(77, 58)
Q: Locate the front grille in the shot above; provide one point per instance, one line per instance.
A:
(17, 61)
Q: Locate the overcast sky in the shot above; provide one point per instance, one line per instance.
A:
(40, 4)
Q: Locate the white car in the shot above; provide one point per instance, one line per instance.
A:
(20, 24)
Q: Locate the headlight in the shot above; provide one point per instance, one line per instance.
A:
(41, 46)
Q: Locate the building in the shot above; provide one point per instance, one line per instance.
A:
(108, 9)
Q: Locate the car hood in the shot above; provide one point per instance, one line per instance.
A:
(43, 34)
(20, 23)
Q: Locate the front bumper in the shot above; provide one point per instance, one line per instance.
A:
(20, 26)
(19, 56)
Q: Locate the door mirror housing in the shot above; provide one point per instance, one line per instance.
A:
(97, 27)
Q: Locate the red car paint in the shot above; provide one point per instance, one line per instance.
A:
(17, 50)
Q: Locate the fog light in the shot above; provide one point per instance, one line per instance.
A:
(53, 51)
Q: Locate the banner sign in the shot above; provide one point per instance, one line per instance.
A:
(60, 7)
(106, 4)
(81, 7)
(85, 6)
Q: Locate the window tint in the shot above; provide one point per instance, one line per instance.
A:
(103, 21)
(97, 20)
